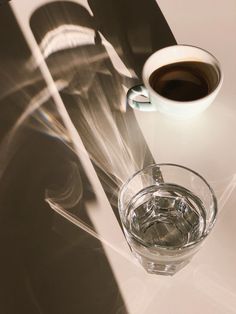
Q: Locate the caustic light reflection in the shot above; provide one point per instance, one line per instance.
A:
(103, 127)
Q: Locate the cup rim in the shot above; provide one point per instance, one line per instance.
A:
(187, 102)
(190, 244)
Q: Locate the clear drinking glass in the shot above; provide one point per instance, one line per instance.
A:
(166, 211)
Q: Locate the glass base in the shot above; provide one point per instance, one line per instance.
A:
(165, 269)
(159, 269)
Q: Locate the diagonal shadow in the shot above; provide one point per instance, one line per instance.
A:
(136, 28)
(47, 265)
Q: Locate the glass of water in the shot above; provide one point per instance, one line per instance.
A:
(166, 211)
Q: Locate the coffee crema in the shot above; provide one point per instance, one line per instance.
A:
(184, 81)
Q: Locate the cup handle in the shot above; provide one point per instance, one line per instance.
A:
(136, 91)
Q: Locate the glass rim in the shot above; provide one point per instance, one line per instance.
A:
(190, 244)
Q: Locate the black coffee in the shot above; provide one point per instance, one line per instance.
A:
(184, 81)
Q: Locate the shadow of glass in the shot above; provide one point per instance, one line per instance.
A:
(100, 56)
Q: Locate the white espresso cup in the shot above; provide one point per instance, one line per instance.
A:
(179, 109)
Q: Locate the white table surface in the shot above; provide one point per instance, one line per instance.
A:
(205, 144)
